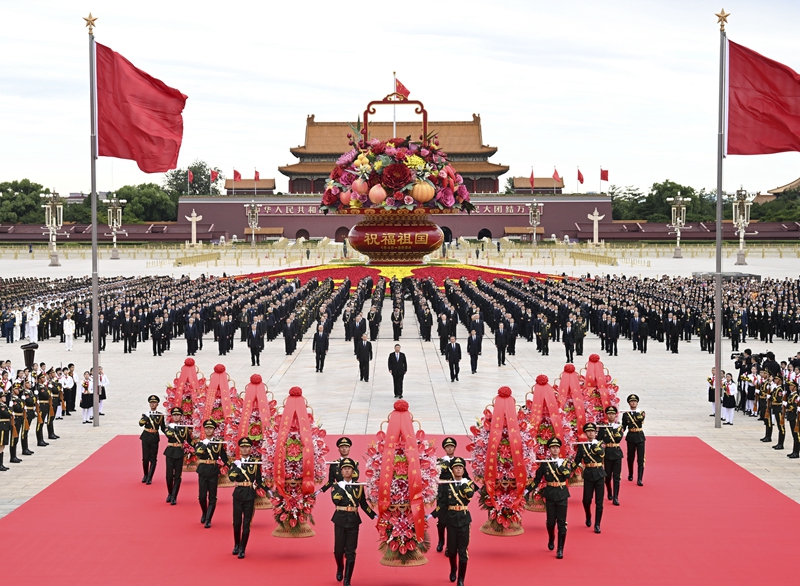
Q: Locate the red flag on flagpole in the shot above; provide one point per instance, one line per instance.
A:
(531, 180)
(191, 177)
(603, 174)
(257, 176)
(763, 104)
(401, 89)
(138, 116)
(555, 175)
(236, 175)
(580, 177)
(214, 175)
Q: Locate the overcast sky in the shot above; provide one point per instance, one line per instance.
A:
(631, 86)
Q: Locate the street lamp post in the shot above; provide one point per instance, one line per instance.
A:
(115, 206)
(252, 221)
(741, 219)
(678, 220)
(53, 219)
(535, 211)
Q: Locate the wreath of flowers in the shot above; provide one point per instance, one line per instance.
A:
(378, 174)
(180, 395)
(396, 525)
(254, 433)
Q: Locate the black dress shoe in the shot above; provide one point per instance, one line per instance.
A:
(241, 555)
(235, 550)
(207, 525)
(169, 498)
(27, 453)
(144, 479)
(597, 528)
(18, 461)
(53, 437)
(616, 502)
(439, 547)
(630, 478)
(588, 521)
(639, 483)
(42, 444)
(149, 481)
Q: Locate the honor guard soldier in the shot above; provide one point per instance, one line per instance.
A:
(764, 397)
(209, 455)
(791, 401)
(347, 498)
(452, 506)
(633, 421)
(246, 476)
(334, 474)
(17, 408)
(56, 395)
(43, 401)
(176, 434)
(556, 473)
(777, 410)
(152, 422)
(591, 457)
(29, 400)
(611, 436)
(6, 428)
(449, 445)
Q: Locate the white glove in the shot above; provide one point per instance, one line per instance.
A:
(238, 463)
(206, 442)
(171, 426)
(463, 481)
(785, 403)
(342, 483)
(316, 492)
(446, 458)
(35, 392)
(429, 516)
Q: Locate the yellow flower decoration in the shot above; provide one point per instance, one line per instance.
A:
(415, 162)
(378, 165)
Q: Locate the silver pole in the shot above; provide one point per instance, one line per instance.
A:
(718, 275)
(93, 195)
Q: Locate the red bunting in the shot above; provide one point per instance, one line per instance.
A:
(544, 397)
(504, 416)
(295, 409)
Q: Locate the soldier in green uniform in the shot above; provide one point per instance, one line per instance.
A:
(347, 499)
(764, 395)
(6, 428)
(176, 434)
(17, 408)
(633, 421)
(43, 400)
(790, 402)
(209, 454)
(29, 400)
(591, 457)
(54, 389)
(246, 475)
(152, 422)
(611, 436)
(452, 506)
(556, 474)
(449, 444)
(334, 474)
(776, 409)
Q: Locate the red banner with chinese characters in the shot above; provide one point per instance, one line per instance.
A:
(189, 375)
(255, 399)
(544, 396)
(570, 386)
(504, 416)
(219, 384)
(597, 378)
(294, 409)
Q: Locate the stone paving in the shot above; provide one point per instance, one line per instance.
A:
(672, 389)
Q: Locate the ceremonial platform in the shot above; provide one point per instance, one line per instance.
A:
(681, 527)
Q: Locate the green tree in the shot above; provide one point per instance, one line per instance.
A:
(625, 202)
(81, 213)
(509, 185)
(175, 181)
(785, 208)
(20, 202)
(147, 202)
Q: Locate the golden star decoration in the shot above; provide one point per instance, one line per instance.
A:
(722, 19)
(90, 22)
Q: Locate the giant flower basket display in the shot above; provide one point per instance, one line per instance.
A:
(221, 404)
(401, 478)
(184, 393)
(600, 389)
(395, 183)
(577, 409)
(294, 461)
(546, 420)
(503, 451)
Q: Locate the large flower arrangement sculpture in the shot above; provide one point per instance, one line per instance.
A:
(401, 478)
(577, 409)
(294, 461)
(253, 417)
(397, 174)
(184, 393)
(600, 389)
(221, 404)
(503, 452)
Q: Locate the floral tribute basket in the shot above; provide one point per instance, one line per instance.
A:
(221, 404)
(184, 393)
(577, 409)
(599, 388)
(503, 451)
(294, 461)
(255, 416)
(546, 420)
(401, 478)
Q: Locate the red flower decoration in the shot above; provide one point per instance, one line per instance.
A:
(255, 378)
(504, 392)
(397, 142)
(189, 362)
(295, 392)
(329, 198)
(336, 174)
(569, 368)
(219, 368)
(594, 358)
(401, 405)
(294, 450)
(542, 379)
(401, 468)
(396, 176)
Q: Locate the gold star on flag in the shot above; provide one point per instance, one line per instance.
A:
(722, 18)
(90, 22)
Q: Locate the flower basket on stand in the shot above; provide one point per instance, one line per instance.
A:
(256, 415)
(221, 404)
(294, 461)
(401, 478)
(502, 460)
(184, 393)
(600, 389)
(546, 420)
(578, 412)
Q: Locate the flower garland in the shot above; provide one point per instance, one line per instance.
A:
(394, 175)
(180, 394)
(545, 431)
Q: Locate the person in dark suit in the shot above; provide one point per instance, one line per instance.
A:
(580, 334)
(474, 348)
(155, 334)
(255, 341)
(290, 335)
(347, 498)
(364, 355)
(320, 347)
(644, 335)
(398, 367)
(397, 324)
(443, 331)
(358, 329)
(501, 341)
(569, 341)
(453, 357)
(674, 333)
(513, 332)
(192, 334)
(612, 336)
(543, 335)
(477, 325)
(426, 324)
(127, 333)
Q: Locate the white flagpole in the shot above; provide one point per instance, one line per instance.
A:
(234, 182)
(93, 195)
(255, 183)
(394, 107)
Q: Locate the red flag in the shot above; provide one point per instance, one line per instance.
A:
(401, 89)
(763, 104)
(555, 175)
(191, 177)
(257, 176)
(580, 177)
(531, 180)
(603, 174)
(214, 175)
(138, 116)
(236, 175)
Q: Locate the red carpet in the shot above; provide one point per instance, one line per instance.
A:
(697, 513)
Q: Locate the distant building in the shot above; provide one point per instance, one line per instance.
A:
(543, 185)
(250, 187)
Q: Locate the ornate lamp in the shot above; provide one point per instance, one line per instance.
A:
(115, 206)
(252, 220)
(678, 220)
(53, 219)
(535, 211)
(741, 219)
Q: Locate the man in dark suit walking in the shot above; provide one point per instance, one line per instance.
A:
(255, 342)
(359, 328)
(443, 330)
(644, 334)
(612, 336)
(364, 355)
(192, 335)
(569, 341)
(320, 347)
(127, 333)
(452, 354)
(398, 367)
(501, 341)
(474, 347)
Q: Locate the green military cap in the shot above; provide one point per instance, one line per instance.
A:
(554, 442)
(458, 461)
(792, 383)
(633, 398)
(176, 411)
(589, 427)
(347, 463)
(153, 399)
(611, 409)
(449, 441)
(244, 442)
(344, 441)
(209, 423)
